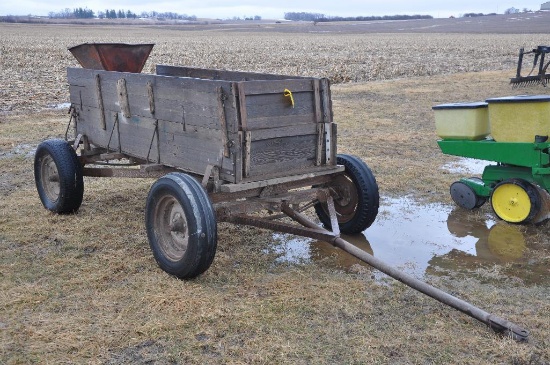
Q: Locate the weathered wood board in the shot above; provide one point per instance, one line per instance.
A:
(251, 126)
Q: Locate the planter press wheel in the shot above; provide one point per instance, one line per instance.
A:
(464, 196)
(516, 201)
(355, 194)
(58, 176)
(181, 225)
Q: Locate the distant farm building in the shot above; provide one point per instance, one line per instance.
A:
(545, 6)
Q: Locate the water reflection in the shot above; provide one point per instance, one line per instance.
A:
(418, 238)
(500, 243)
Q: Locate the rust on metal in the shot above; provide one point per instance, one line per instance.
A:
(119, 57)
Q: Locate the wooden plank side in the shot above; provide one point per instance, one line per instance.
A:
(78, 94)
(286, 131)
(82, 77)
(268, 105)
(277, 86)
(136, 135)
(282, 154)
(326, 101)
(192, 156)
(320, 140)
(317, 101)
(185, 137)
(246, 153)
(212, 74)
(138, 141)
(139, 96)
(297, 177)
(241, 98)
(88, 125)
(232, 106)
(280, 121)
(167, 109)
(272, 170)
(238, 154)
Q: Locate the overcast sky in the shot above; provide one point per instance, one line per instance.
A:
(272, 9)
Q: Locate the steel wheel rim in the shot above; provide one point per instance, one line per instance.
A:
(345, 198)
(170, 224)
(511, 202)
(50, 178)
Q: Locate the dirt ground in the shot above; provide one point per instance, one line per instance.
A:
(84, 288)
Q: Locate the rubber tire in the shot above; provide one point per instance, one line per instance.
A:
(201, 225)
(477, 202)
(368, 196)
(71, 182)
(531, 191)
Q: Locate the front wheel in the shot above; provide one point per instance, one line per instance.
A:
(355, 194)
(58, 176)
(181, 225)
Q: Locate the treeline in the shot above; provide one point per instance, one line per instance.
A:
(473, 15)
(316, 17)
(85, 13)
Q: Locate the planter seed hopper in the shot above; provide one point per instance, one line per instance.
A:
(238, 147)
(518, 185)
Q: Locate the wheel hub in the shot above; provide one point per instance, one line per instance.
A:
(51, 180)
(171, 227)
(345, 198)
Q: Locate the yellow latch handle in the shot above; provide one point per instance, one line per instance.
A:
(288, 94)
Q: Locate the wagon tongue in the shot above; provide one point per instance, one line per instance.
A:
(538, 59)
(119, 57)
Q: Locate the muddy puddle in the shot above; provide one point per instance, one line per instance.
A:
(431, 238)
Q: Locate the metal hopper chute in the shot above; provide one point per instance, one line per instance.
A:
(119, 57)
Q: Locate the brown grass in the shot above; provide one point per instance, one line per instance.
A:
(84, 288)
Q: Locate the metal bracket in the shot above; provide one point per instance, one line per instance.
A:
(77, 142)
(155, 133)
(115, 124)
(73, 117)
(213, 171)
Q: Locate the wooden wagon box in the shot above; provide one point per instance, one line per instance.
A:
(251, 126)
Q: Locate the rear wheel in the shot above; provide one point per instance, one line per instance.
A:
(516, 201)
(58, 176)
(355, 194)
(181, 226)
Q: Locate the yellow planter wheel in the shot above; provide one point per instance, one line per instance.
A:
(515, 201)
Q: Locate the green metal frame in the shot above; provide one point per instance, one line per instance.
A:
(528, 161)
